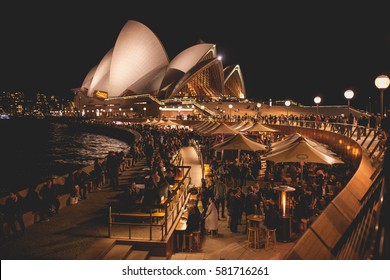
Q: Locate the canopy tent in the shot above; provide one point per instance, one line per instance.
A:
(258, 127)
(301, 151)
(296, 137)
(168, 123)
(200, 125)
(147, 121)
(241, 143)
(246, 126)
(154, 121)
(221, 129)
(240, 124)
(209, 126)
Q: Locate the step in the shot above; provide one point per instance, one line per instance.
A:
(157, 258)
(195, 256)
(95, 251)
(179, 256)
(137, 255)
(118, 252)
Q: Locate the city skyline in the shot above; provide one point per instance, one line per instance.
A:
(286, 53)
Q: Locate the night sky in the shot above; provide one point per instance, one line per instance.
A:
(291, 51)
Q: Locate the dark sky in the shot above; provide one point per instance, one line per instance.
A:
(295, 51)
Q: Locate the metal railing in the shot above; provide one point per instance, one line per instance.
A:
(165, 218)
(210, 112)
(361, 240)
(198, 150)
(371, 139)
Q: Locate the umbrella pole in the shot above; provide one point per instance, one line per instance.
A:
(302, 163)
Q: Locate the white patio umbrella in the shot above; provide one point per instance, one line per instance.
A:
(301, 151)
(258, 127)
(240, 143)
(221, 129)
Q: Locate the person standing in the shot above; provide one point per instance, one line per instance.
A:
(211, 223)
(220, 196)
(98, 173)
(113, 163)
(14, 213)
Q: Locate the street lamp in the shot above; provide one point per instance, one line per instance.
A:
(317, 100)
(382, 82)
(287, 103)
(230, 107)
(144, 112)
(349, 95)
(258, 106)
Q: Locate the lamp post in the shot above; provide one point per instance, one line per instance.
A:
(287, 103)
(258, 106)
(230, 107)
(382, 82)
(144, 112)
(317, 100)
(348, 94)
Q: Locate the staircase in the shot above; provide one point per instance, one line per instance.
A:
(207, 110)
(119, 250)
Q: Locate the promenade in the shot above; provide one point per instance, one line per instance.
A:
(81, 231)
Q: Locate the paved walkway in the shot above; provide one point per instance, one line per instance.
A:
(228, 245)
(81, 227)
(72, 232)
(190, 158)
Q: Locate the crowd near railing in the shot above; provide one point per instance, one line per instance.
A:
(364, 238)
(163, 215)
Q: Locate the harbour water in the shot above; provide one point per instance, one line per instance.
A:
(32, 149)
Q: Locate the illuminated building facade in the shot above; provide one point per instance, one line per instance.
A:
(138, 67)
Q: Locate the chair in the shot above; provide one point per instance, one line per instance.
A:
(187, 238)
(197, 240)
(253, 236)
(214, 233)
(270, 237)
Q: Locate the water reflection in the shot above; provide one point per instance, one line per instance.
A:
(33, 150)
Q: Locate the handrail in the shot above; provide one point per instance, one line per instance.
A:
(210, 112)
(360, 241)
(171, 208)
(350, 201)
(360, 134)
(198, 150)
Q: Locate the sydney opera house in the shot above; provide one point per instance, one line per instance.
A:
(136, 76)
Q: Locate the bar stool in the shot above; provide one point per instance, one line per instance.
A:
(270, 237)
(187, 237)
(197, 241)
(214, 233)
(253, 236)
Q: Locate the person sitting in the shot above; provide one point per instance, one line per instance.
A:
(14, 213)
(272, 218)
(193, 220)
(49, 196)
(151, 198)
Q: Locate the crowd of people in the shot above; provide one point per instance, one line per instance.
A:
(235, 189)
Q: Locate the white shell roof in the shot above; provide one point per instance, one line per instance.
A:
(100, 80)
(137, 53)
(88, 79)
(188, 58)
